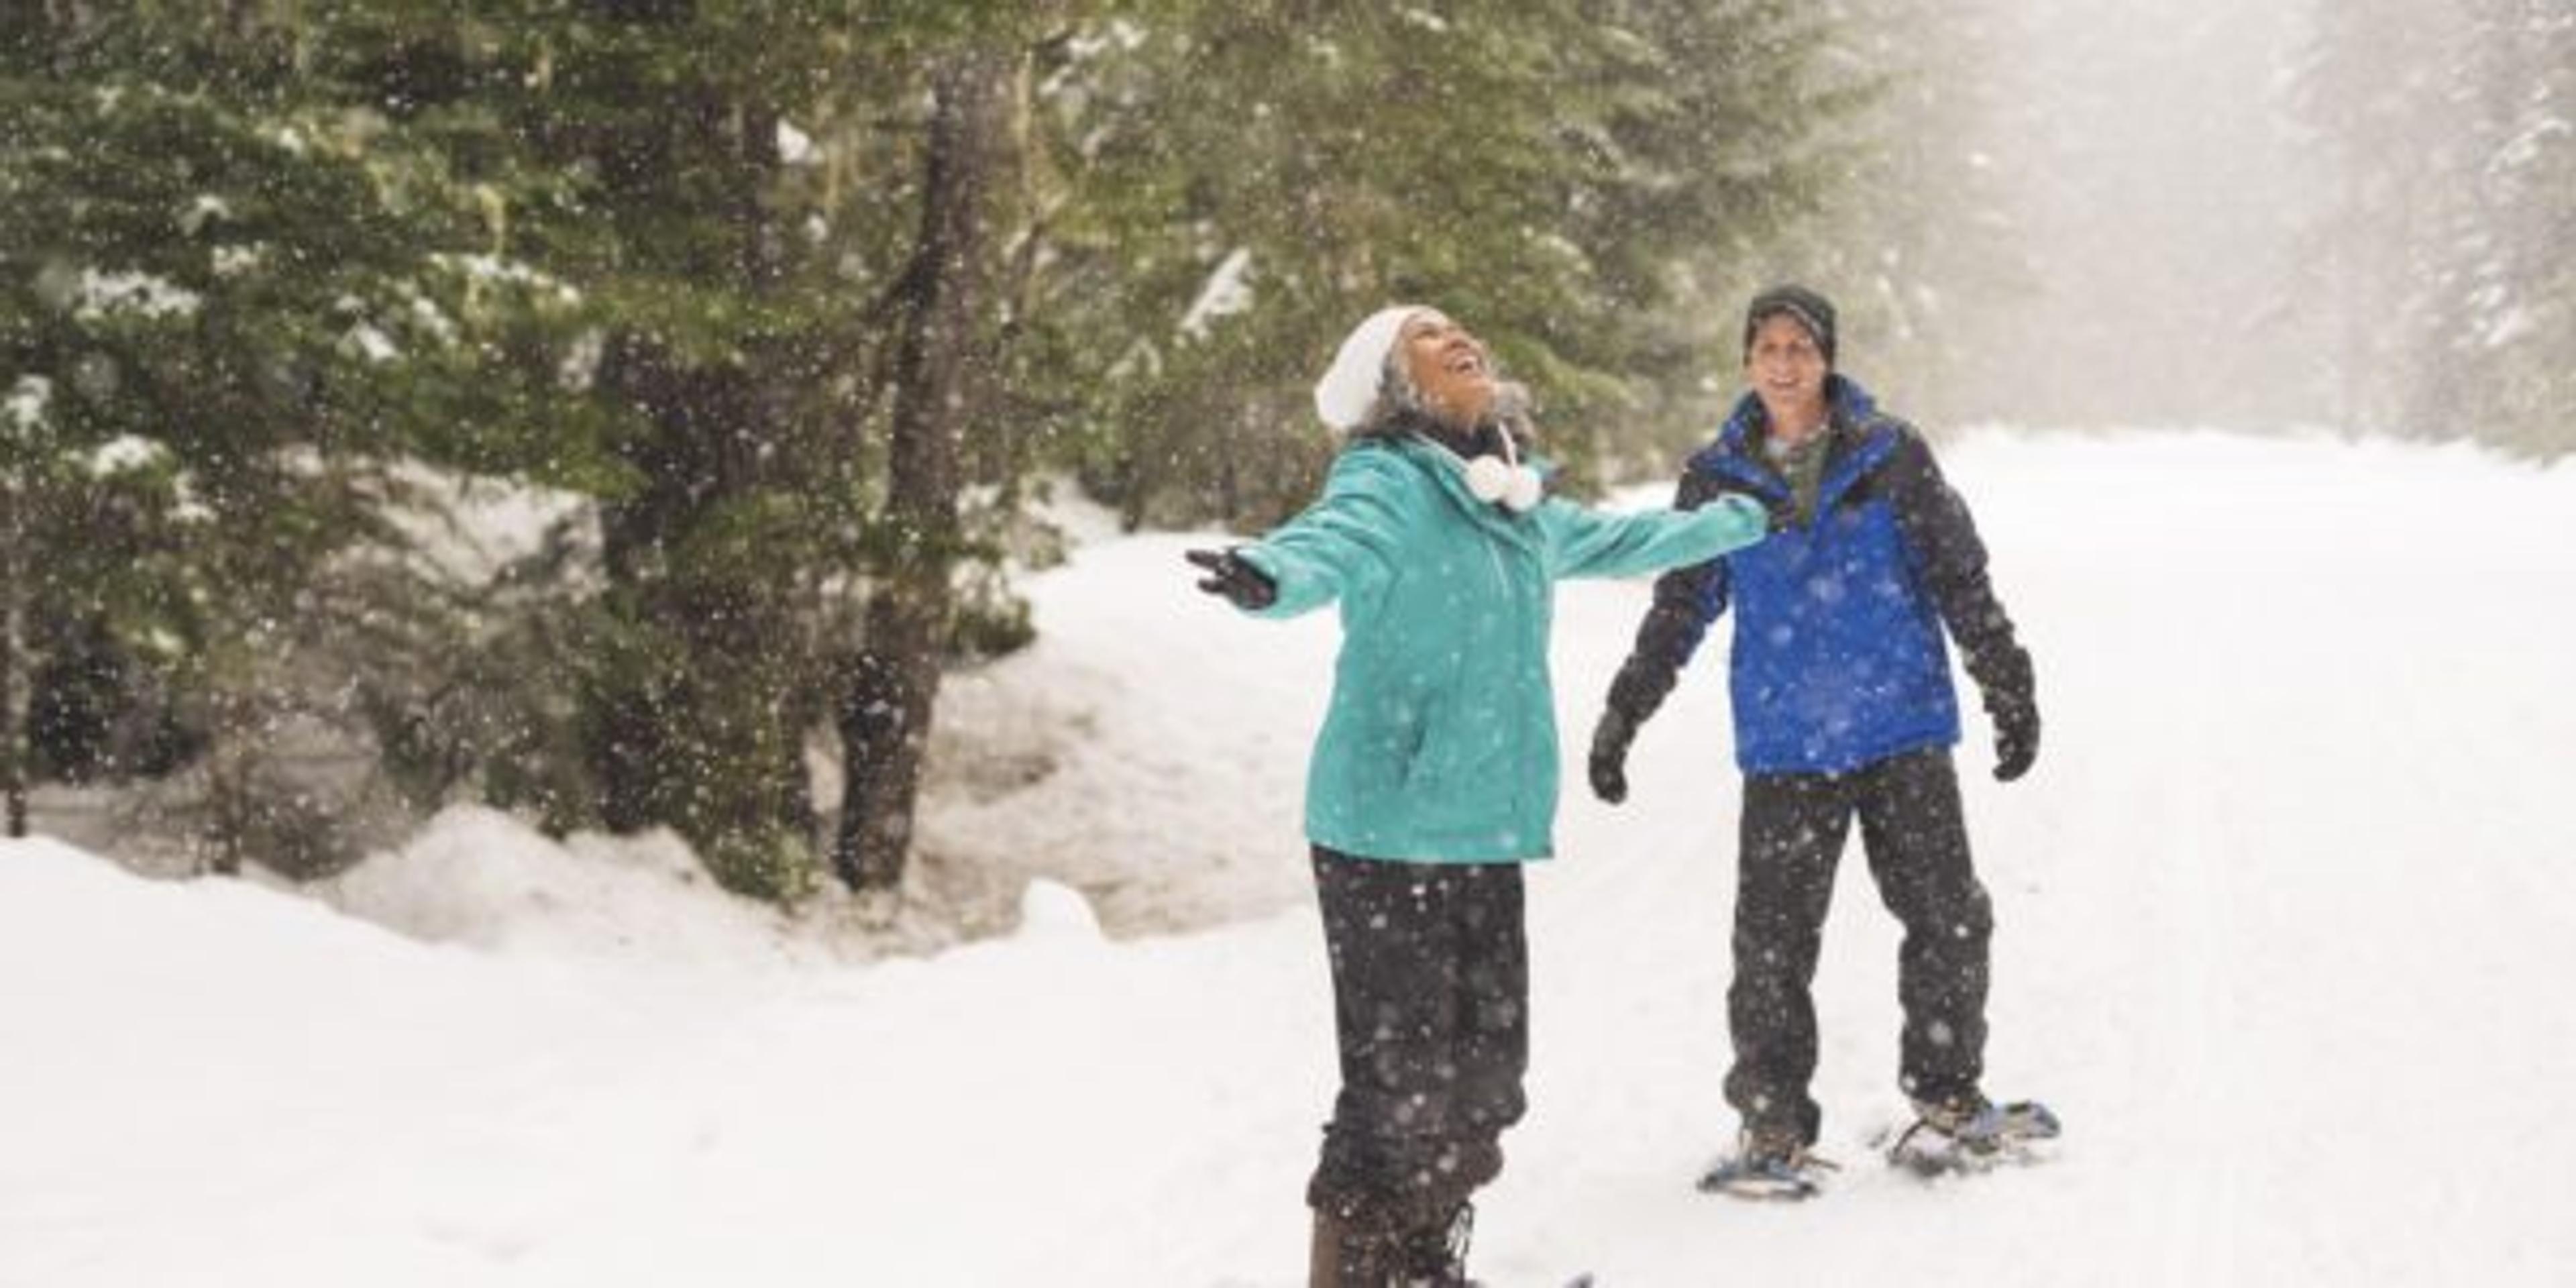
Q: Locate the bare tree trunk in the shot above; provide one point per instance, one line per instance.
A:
(228, 779)
(13, 661)
(887, 691)
(16, 691)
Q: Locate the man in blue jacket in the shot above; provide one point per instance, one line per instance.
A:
(1843, 709)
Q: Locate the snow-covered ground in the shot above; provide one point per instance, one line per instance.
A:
(2286, 924)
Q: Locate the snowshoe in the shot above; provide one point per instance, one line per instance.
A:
(1971, 1136)
(1771, 1167)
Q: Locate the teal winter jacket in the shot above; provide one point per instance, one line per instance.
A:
(1440, 744)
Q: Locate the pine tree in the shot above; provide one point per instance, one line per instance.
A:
(1243, 182)
(1918, 239)
(786, 304)
(794, 346)
(229, 313)
(2511, 361)
(2447, 244)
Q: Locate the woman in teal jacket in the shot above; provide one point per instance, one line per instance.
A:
(1435, 774)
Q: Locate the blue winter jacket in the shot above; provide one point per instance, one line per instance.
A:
(1838, 660)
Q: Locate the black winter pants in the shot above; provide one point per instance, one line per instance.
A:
(1791, 838)
(1431, 1008)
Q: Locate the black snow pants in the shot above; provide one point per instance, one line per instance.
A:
(1790, 840)
(1431, 1008)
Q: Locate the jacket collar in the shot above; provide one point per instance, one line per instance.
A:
(1849, 410)
(1448, 472)
(1856, 438)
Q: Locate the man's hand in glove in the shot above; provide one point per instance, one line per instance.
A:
(1245, 586)
(1609, 764)
(2016, 735)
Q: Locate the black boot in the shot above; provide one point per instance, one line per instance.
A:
(1348, 1255)
(1435, 1255)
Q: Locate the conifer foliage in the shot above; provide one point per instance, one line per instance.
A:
(2446, 244)
(786, 311)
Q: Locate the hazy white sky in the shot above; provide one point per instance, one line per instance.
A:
(2162, 188)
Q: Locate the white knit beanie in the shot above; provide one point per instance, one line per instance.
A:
(1349, 387)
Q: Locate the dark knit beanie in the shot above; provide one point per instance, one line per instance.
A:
(1805, 307)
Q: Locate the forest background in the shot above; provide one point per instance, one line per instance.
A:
(790, 319)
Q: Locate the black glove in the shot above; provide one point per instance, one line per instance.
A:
(1609, 764)
(1248, 587)
(2016, 718)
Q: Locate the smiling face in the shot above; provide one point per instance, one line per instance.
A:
(1449, 367)
(1788, 372)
